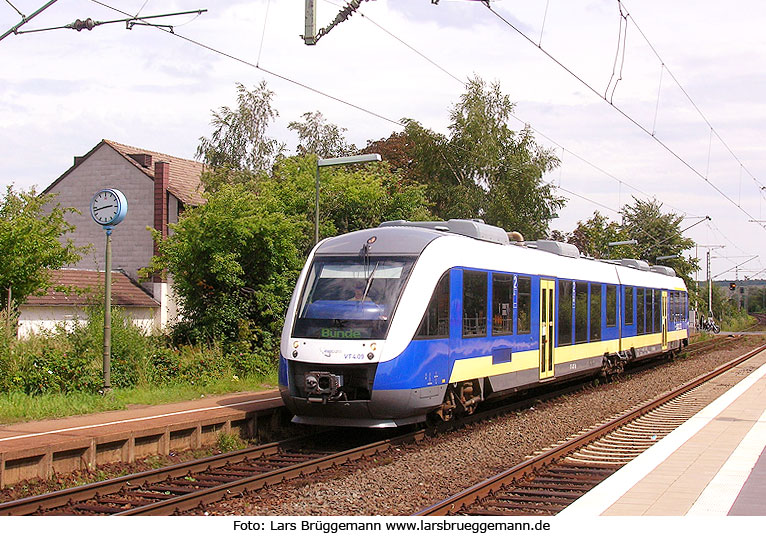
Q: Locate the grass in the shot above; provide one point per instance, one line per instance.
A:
(18, 407)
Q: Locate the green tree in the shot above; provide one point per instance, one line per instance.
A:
(351, 197)
(659, 234)
(239, 141)
(318, 137)
(232, 260)
(483, 168)
(593, 236)
(32, 231)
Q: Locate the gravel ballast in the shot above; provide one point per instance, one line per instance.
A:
(404, 480)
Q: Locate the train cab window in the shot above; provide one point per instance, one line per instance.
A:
(640, 312)
(581, 312)
(345, 298)
(435, 323)
(611, 306)
(524, 306)
(502, 304)
(474, 303)
(628, 301)
(595, 312)
(657, 310)
(565, 313)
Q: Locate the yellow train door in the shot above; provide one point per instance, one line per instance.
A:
(547, 301)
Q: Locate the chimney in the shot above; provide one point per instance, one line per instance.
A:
(161, 178)
(78, 160)
(144, 159)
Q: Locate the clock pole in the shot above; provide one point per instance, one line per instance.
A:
(108, 312)
(108, 208)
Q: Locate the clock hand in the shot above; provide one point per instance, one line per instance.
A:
(104, 207)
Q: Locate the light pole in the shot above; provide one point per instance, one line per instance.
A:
(339, 161)
(622, 243)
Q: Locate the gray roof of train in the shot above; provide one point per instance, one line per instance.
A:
(398, 240)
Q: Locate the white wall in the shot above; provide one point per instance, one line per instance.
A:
(34, 319)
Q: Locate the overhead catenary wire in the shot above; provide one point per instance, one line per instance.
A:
(15, 8)
(368, 111)
(15, 28)
(622, 112)
(523, 122)
(694, 104)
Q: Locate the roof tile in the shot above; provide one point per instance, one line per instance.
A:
(125, 292)
(184, 182)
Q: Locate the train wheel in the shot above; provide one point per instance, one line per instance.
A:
(461, 399)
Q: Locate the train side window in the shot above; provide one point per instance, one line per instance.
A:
(565, 313)
(581, 312)
(502, 304)
(435, 323)
(673, 306)
(640, 312)
(595, 312)
(628, 301)
(657, 310)
(524, 306)
(474, 303)
(611, 305)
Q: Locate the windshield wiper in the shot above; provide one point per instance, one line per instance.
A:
(369, 281)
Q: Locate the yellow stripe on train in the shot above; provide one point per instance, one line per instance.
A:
(482, 366)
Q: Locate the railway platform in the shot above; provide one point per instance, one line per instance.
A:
(712, 465)
(39, 449)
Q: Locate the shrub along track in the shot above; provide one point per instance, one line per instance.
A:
(198, 483)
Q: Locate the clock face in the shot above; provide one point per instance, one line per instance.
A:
(105, 207)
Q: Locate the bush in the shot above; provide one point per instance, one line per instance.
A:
(57, 369)
(131, 349)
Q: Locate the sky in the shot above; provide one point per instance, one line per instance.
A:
(685, 123)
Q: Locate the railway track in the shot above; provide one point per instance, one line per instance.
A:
(197, 483)
(550, 481)
(188, 485)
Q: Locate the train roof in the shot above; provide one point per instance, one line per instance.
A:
(469, 241)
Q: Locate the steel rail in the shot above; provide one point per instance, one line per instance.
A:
(201, 497)
(529, 467)
(25, 506)
(61, 498)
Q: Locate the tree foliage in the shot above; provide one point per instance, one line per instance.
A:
(32, 230)
(481, 168)
(239, 140)
(318, 137)
(593, 236)
(232, 259)
(658, 234)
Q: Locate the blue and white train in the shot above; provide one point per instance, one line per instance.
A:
(391, 325)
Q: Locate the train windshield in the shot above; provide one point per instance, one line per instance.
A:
(351, 298)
